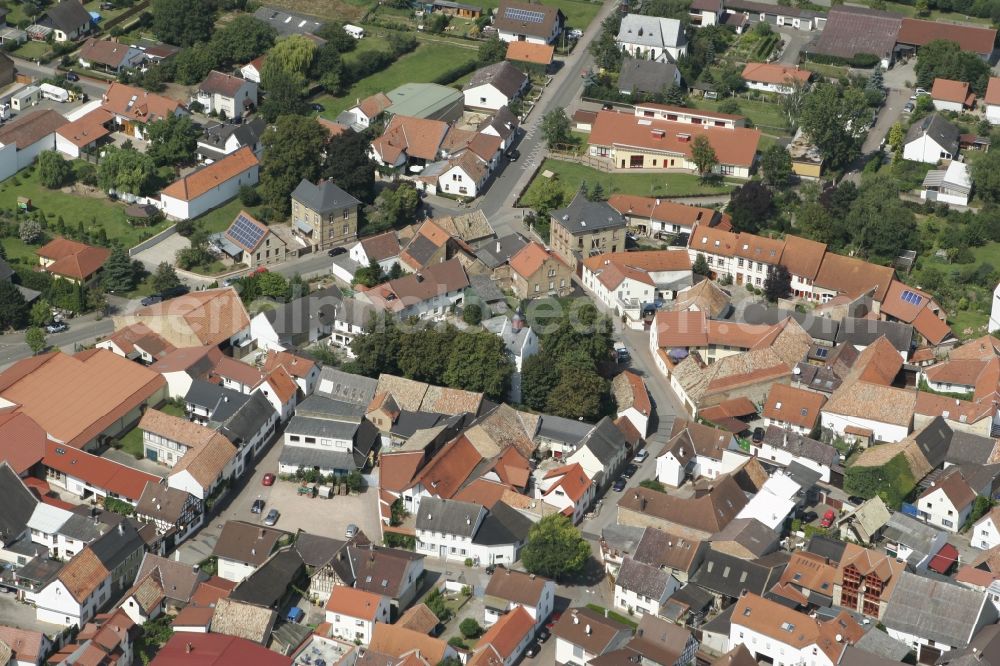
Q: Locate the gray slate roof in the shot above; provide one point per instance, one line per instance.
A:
(936, 127)
(651, 31)
(324, 197)
(559, 429)
(646, 76)
(643, 579)
(318, 406)
(316, 550)
(750, 533)
(287, 23)
(498, 251)
(248, 420)
(583, 216)
(935, 610)
(863, 332)
(313, 427)
(307, 457)
(503, 525)
(220, 402)
(344, 386)
(968, 448)
(883, 645)
(294, 317)
(605, 441)
(272, 581)
(503, 76)
(18, 504)
(730, 576)
(818, 328)
(448, 516)
(67, 16)
(801, 446)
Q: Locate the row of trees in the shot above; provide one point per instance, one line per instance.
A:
(564, 378)
(441, 355)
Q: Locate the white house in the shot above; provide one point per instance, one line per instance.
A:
(534, 23)
(782, 446)
(506, 640)
(23, 139)
(985, 532)
(494, 86)
(331, 444)
(383, 248)
(632, 400)
(696, 450)
(210, 186)
(931, 140)
(521, 343)
(242, 547)
(628, 283)
(642, 588)
(992, 100)
(352, 613)
(223, 139)
(509, 589)
(652, 38)
(948, 501)
(463, 176)
(583, 634)
(776, 633)
(773, 503)
(450, 530)
(429, 294)
(601, 453)
(951, 186)
(568, 488)
(951, 95)
(225, 94)
(76, 594)
(253, 69)
(772, 77)
(32, 646)
(69, 21)
(995, 310)
(361, 115)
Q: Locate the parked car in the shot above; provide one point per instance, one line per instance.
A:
(532, 650)
(908, 107)
(856, 500)
(334, 251)
(828, 518)
(294, 614)
(543, 635)
(258, 506)
(622, 354)
(272, 517)
(808, 517)
(619, 484)
(268, 479)
(629, 471)
(72, 76)
(641, 456)
(352, 531)
(173, 292)
(151, 300)
(758, 435)
(513, 154)
(553, 619)
(107, 6)
(317, 107)
(56, 327)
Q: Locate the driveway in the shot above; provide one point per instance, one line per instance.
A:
(165, 250)
(13, 613)
(794, 41)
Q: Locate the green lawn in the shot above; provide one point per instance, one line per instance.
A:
(422, 65)
(33, 50)
(570, 174)
(764, 115)
(936, 15)
(73, 209)
(220, 218)
(132, 443)
(830, 71)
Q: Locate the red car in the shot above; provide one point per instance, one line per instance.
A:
(828, 518)
(268, 479)
(552, 620)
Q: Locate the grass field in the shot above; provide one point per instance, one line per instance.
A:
(830, 71)
(73, 209)
(220, 218)
(33, 50)
(132, 441)
(421, 66)
(936, 15)
(570, 174)
(764, 115)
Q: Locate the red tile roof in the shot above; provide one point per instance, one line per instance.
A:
(354, 602)
(508, 632)
(796, 406)
(297, 366)
(919, 33)
(539, 54)
(573, 481)
(944, 559)
(530, 258)
(993, 91)
(197, 183)
(444, 475)
(193, 649)
(138, 104)
(947, 90)
(773, 73)
(99, 472)
(73, 259)
(733, 146)
(22, 441)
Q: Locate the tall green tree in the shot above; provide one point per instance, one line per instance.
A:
(425, 352)
(555, 127)
(291, 56)
(41, 312)
(580, 394)
(491, 50)
(776, 165)
(834, 118)
(183, 22)
(126, 170)
(284, 92)
(118, 274)
(479, 362)
(377, 349)
(292, 151)
(165, 277)
(348, 165)
(53, 171)
(555, 548)
(882, 226)
(241, 40)
(35, 338)
(945, 59)
(703, 155)
(986, 176)
(700, 266)
(173, 140)
(778, 283)
(539, 377)
(750, 207)
(13, 309)
(605, 49)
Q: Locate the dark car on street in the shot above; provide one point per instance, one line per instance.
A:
(630, 471)
(258, 506)
(619, 484)
(334, 251)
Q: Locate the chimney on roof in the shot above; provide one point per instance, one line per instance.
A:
(576, 618)
(188, 647)
(587, 629)
(121, 527)
(253, 551)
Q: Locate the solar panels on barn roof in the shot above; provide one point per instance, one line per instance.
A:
(525, 15)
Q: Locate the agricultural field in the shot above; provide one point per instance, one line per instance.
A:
(424, 64)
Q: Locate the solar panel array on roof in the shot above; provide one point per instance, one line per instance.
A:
(525, 15)
(245, 232)
(910, 297)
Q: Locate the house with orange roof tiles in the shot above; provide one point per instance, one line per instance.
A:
(536, 271)
(632, 400)
(134, 108)
(791, 408)
(773, 631)
(655, 217)
(352, 613)
(568, 488)
(137, 342)
(773, 77)
(505, 641)
(210, 186)
(509, 589)
(210, 317)
(630, 284)
(626, 141)
(951, 95)
(992, 100)
(66, 259)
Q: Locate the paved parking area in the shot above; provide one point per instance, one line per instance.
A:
(165, 250)
(16, 614)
